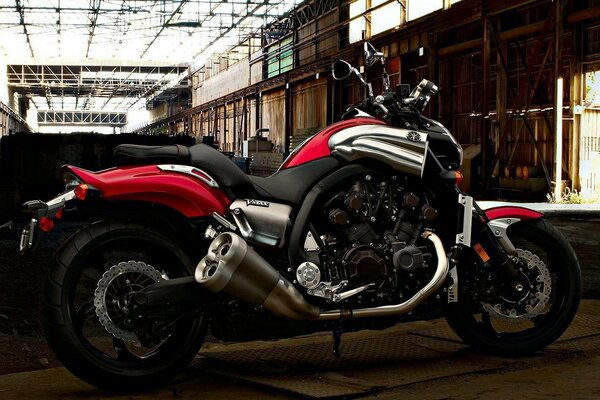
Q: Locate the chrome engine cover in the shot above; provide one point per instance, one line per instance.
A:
(262, 221)
(403, 149)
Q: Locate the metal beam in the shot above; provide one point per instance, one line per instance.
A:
(21, 13)
(94, 10)
(81, 118)
(162, 28)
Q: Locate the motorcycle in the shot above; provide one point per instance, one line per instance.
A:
(362, 227)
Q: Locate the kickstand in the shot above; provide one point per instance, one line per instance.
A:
(337, 338)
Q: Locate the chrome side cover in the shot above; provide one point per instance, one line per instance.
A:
(403, 149)
(262, 221)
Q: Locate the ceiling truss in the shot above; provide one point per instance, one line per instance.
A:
(54, 47)
(119, 87)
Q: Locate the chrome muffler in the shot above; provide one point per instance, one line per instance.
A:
(233, 268)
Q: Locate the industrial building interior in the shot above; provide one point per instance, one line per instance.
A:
(519, 88)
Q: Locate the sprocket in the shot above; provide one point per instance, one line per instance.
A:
(112, 296)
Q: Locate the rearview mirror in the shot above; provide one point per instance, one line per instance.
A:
(371, 54)
(341, 70)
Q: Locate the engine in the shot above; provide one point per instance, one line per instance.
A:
(369, 244)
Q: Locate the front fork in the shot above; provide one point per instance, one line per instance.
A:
(489, 240)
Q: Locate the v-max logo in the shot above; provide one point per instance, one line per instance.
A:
(259, 203)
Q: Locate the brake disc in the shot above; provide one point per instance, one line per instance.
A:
(112, 297)
(535, 298)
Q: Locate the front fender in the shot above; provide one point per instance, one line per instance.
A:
(520, 213)
(500, 218)
(184, 193)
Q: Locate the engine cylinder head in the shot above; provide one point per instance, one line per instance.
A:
(338, 217)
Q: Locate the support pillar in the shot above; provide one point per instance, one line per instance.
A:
(558, 98)
(485, 97)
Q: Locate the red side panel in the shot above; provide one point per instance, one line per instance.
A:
(318, 146)
(184, 193)
(512, 212)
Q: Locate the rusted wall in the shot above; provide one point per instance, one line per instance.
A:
(236, 77)
(273, 116)
(10, 123)
(589, 170)
(309, 105)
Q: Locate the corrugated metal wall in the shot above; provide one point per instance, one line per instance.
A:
(309, 107)
(273, 116)
(465, 76)
(589, 156)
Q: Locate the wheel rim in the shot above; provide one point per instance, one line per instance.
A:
(489, 326)
(100, 346)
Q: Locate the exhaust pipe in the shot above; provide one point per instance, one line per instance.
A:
(233, 268)
(439, 277)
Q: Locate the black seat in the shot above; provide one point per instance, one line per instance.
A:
(135, 154)
(291, 185)
(288, 185)
(229, 175)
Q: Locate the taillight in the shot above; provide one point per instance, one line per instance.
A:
(46, 224)
(58, 214)
(81, 191)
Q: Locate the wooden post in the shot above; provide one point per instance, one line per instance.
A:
(501, 92)
(288, 115)
(234, 146)
(576, 99)
(485, 97)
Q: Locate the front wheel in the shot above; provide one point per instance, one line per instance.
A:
(499, 320)
(86, 307)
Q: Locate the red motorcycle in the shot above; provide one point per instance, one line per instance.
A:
(362, 227)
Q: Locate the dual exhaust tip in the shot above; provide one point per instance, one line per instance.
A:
(233, 268)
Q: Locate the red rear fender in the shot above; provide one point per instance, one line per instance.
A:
(189, 195)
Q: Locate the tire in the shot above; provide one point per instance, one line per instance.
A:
(478, 327)
(72, 327)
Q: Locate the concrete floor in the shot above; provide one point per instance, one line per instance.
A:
(421, 360)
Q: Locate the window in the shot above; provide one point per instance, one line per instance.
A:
(592, 88)
(358, 25)
(386, 17)
(419, 8)
(280, 57)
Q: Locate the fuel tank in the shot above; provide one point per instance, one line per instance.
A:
(404, 150)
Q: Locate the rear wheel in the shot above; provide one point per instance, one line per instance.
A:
(519, 322)
(85, 307)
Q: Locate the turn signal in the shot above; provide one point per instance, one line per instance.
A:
(81, 191)
(46, 224)
(458, 177)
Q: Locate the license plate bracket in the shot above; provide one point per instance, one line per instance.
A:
(28, 236)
